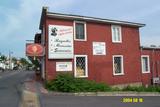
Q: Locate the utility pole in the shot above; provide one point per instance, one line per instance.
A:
(10, 58)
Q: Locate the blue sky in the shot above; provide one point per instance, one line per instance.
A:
(19, 19)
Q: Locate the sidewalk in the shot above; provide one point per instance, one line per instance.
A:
(35, 95)
(32, 90)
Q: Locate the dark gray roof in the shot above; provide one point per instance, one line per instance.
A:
(150, 47)
(85, 18)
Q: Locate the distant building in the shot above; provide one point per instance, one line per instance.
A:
(98, 49)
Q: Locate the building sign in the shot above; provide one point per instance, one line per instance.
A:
(60, 42)
(63, 66)
(156, 80)
(99, 48)
(34, 49)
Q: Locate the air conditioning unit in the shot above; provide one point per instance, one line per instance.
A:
(156, 80)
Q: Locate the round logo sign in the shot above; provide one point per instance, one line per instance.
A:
(34, 50)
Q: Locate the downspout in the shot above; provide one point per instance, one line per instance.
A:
(152, 65)
(158, 68)
(141, 48)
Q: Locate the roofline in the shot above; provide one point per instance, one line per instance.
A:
(43, 15)
(86, 18)
(150, 48)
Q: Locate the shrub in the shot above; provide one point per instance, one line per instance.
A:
(67, 83)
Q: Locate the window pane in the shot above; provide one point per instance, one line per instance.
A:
(116, 33)
(117, 65)
(145, 64)
(80, 66)
(80, 31)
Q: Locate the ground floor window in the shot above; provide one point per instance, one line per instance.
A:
(145, 64)
(81, 66)
(118, 65)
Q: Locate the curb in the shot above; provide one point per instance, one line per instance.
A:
(106, 94)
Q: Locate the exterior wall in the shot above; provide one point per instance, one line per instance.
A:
(154, 57)
(100, 68)
(51, 63)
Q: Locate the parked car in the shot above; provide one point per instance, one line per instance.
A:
(15, 68)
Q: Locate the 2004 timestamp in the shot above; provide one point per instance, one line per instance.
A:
(132, 100)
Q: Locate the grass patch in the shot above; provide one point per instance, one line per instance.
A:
(142, 89)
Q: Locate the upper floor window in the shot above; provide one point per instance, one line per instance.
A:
(145, 64)
(116, 34)
(80, 31)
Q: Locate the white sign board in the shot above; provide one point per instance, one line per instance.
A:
(156, 80)
(63, 66)
(60, 42)
(99, 48)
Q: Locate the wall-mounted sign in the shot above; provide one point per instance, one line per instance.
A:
(60, 42)
(34, 49)
(99, 48)
(156, 80)
(63, 66)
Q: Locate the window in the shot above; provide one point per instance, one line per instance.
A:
(118, 65)
(116, 34)
(81, 66)
(80, 31)
(145, 64)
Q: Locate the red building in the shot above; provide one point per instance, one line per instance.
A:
(150, 59)
(98, 49)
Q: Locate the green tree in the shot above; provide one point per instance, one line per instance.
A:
(3, 58)
(14, 59)
(34, 61)
(25, 63)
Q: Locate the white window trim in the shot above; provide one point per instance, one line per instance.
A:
(86, 64)
(147, 65)
(113, 34)
(85, 31)
(122, 65)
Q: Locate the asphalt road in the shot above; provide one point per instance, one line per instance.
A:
(10, 87)
(10, 92)
(88, 101)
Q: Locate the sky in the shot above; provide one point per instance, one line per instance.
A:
(19, 19)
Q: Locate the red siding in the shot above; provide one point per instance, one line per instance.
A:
(154, 56)
(51, 64)
(100, 68)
